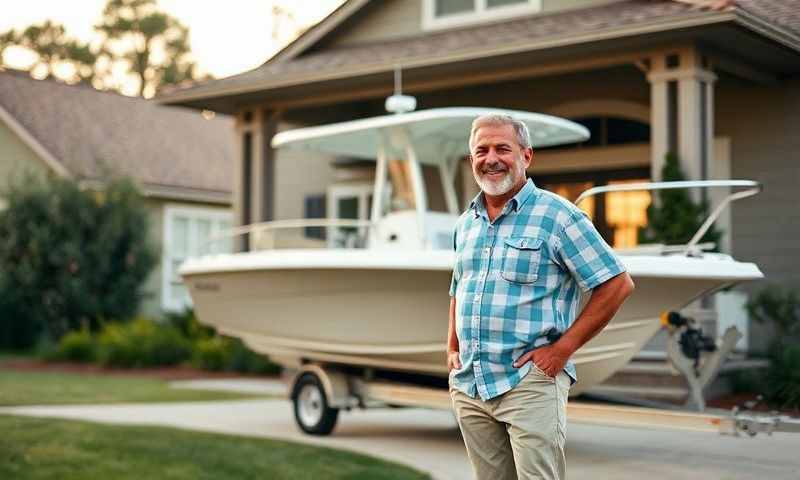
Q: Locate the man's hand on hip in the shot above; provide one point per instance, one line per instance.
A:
(550, 358)
(453, 360)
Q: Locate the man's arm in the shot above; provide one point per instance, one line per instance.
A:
(605, 301)
(453, 360)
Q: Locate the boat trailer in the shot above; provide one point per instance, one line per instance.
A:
(319, 392)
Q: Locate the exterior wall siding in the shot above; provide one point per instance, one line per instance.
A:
(393, 19)
(762, 124)
(151, 303)
(16, 159)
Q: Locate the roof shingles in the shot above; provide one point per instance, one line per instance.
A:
(95, 134)
(474, 39)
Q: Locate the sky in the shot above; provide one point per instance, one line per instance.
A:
(226, 36)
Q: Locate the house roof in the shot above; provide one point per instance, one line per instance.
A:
(299, 63)
(89, 134)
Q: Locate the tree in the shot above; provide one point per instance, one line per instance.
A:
(57, 55)
(673, 217)
(70, 258)
(152, 45)
(147, 45)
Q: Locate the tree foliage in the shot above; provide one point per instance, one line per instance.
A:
(70, 258)
(673, 217)
(133, 37)
(56, 54)
(152, 45)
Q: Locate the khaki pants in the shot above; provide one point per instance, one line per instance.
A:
(520, 434)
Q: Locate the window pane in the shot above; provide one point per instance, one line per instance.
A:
(224, 245)
(203, 234)
(595, 127)
(626, 213)
(621, 130)
(449, 7)
(501, 3)
(180, 237)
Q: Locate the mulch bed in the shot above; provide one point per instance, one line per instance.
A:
(161, 373)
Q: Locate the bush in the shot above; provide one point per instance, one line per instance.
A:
(245, 360)
(187, 324)
(142, 343)
(780, 307)
(783, 378)
(673, 217)
(77, 346)
(230, 354)
(212, 354)
(69, 257)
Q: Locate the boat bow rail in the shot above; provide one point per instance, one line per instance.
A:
(341, 233)
(693, 247)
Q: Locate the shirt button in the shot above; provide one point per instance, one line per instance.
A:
(487, 250)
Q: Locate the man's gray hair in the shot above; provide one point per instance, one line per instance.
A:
(520, 129)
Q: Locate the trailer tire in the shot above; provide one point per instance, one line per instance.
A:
(312, 412)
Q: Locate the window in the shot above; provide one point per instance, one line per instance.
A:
(618, 216)
(187, 233)
(314, 207)
(452, 13)
(348, 201)
(605, 131)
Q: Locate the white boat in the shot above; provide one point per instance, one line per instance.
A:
(376, 297)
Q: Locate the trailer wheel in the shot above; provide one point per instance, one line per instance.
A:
(311, 410)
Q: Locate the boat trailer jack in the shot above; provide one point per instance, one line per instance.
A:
(695, 355)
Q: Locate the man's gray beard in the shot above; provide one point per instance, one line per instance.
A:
(500, 187)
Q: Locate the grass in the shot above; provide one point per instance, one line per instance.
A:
(47, 388)
(32, 449)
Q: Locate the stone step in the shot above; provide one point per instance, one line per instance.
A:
(657, 380)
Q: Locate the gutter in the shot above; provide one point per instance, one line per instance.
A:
(169, 192)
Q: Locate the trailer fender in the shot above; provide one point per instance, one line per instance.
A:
(335, 384)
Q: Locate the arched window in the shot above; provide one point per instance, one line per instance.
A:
(609, 130)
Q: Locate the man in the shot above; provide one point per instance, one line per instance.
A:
(521, 256)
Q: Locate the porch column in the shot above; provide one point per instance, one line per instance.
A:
(682, 100)
(243, 176)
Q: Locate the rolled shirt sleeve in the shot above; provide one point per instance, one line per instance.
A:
(588, 257)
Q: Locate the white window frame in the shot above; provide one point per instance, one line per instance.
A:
(215, 215)
(361, 191)
(481, 14)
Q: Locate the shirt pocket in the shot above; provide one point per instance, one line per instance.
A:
(521, 259)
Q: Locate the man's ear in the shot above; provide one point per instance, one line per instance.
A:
(528, 153)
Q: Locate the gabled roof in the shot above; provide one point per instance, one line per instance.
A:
(88, 135)
(299, 64)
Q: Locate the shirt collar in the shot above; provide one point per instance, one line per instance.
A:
(526, 192)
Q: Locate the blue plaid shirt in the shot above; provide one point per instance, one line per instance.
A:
(516, 278)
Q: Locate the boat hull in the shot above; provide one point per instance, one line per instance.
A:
(396, 318)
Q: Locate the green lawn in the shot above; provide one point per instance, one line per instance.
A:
(33, 448)
(46, 388)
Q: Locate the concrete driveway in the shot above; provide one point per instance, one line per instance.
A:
(429, 440)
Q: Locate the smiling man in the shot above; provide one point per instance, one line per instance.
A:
(522, 257)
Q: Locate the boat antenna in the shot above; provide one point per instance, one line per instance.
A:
(399, 103)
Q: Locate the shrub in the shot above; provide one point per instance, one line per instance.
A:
(245, 360)
(77, 346)
(212, 354)
(673, 217)
(69, 257)
(783, 378)
(187, 324)
(142, 343)
(780, 307)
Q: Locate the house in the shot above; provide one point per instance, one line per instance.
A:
(180, 160)
(716, 82)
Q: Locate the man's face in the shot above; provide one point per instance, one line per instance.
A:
(498, 161)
